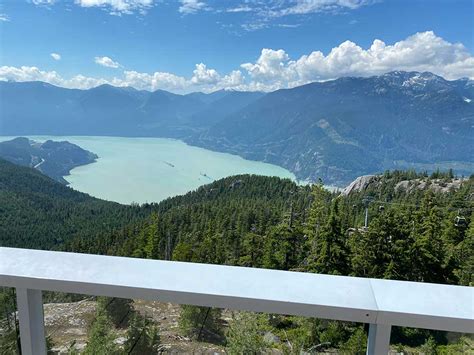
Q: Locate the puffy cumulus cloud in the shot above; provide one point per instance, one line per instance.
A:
(191, 6)
(118, 7)
(106, 62)
(272, 65)
(202, 75)
(155, 81)
(85, 82)
(25, 73)
(421, 52)
(233, 80)
(55, 56)
(274, 69)
(203, 79)
(208, 80)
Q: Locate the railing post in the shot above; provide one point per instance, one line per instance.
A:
(379, 339)
(30, 314)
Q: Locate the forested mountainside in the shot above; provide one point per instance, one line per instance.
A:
(38, 212)
(341, 129)
(413, 234)
(260, 222)
(54, 159)
(420, 234)
(335, 130)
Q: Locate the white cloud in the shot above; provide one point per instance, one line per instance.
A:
(423, 51)
(202, 75)
(270, 65)
(43, 2)
(106, 62)
(118, 7)
(264, 10)
(279, 8)
(289, 25)
(155, 81)
(191, 6)
(264, 13)
(203, 79)
(25, 73)
(255, 26)
(4, 18)
(301, 7)
(55, 56)
(240, 8)
(233, 80)
(275, 69)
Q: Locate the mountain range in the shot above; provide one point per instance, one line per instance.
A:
(334, 130)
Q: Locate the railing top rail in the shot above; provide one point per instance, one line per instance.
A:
(412, 304)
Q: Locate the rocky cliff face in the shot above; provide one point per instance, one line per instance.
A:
(435, 185)
(372, 182)
(361, 184)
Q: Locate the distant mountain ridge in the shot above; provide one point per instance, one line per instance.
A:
(335, 130)
(34, 108)
(340, 129)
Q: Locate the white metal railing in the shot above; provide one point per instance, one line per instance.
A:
(381, 303)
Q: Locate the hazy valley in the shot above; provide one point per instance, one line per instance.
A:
(335, 130)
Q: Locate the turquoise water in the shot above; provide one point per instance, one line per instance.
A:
(152, 169)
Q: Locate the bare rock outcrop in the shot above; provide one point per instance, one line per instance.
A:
(361, 184)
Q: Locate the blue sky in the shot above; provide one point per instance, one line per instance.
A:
(206, 45)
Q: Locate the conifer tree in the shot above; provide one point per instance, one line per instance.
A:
(283, 247)
(119, 310)
(197, 322)
(142, 336)
(154, 247)
(428, 246)
(317, 214)
(252, 250)
(465, 255)
(244, 335)
(331, 254)
(100, 338)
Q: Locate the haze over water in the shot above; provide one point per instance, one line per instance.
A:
(152, 169)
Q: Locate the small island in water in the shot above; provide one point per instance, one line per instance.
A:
(54, 159)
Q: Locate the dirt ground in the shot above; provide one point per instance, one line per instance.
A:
(67, 323)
